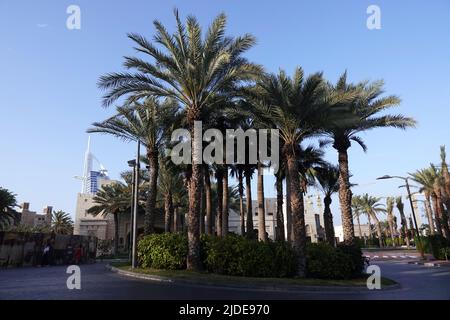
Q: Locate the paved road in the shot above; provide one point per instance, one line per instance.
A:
(418, 282)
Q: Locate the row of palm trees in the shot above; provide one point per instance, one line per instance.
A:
(434, 183)
(188, 76)
(372, 206)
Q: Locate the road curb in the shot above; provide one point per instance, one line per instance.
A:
(429, 264)
(236, 286)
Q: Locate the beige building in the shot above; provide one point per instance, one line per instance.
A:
(34, 219)
(86, 224)
(313, 218)
(365, 232)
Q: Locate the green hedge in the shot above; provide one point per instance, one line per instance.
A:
(238, 256)
(163, 251)
(235, 255)
(326, 262)
(434, 245)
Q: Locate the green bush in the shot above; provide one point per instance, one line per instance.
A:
(238, 256)
(434, 245)
(326, 262)
(163, 251)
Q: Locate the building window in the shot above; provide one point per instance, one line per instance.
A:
(270, 213)
(256, 213)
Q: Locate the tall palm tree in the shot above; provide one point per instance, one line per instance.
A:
(362, 115)
(196, 71)
(170, 181)
(445, 172)
(390, 218)
(293, 105)
(357, 211)
(328, 182)
(372, 206)
(61, 223)
(112, 199)
(148, 123)
(426, 179)
(401, 209)
(440, 200)
(8, 203)
(237, 171)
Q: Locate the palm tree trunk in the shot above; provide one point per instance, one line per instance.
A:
(149, 223)
(359, 226)
(442, 215)
(262, 236)
(168, 212)
(219, 213)
(225, 203)
(345, 197)
(298, 214)
(328, 221)
(437, 218)
(241, 200)
(280, 217)
(404, 227)
(202, 209)
(391, 229)
(288, 207)
(209, 217)
(196, 178)
(176, 219)
(379, 232)
(248, 196)
(116, 234)
(429, 212)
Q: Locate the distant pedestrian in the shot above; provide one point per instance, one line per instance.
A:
(78, 254)
(46, 255)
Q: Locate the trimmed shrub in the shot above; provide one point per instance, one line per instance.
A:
(434, 245)
(238, 256)
(163, 251)
(326, 262)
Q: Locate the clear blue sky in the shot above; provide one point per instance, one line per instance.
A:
(48, 78)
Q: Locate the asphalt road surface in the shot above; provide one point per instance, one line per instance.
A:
(417, 282)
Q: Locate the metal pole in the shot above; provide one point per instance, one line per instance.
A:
(136, 197)
(130, 241)
(419, 239)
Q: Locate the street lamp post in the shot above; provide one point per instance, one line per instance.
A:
(416, 229)
(135, 207)
(132, 164)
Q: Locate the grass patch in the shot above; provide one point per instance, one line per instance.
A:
(221, 279)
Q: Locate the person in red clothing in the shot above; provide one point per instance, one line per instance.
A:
(78, 254)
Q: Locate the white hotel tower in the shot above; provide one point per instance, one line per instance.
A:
(99, 226)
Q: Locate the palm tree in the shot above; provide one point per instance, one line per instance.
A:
(401, 210)
(431, 181)
(390, 218)
(62, 223)
(372, 206)
(147, 123)
(362, 115)
(197, 72)
(170, 181)
(426, 179)
(112, 199)
(445, 172)
(328, 182)
(357, 211)
(8, 203)
(294, 106)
